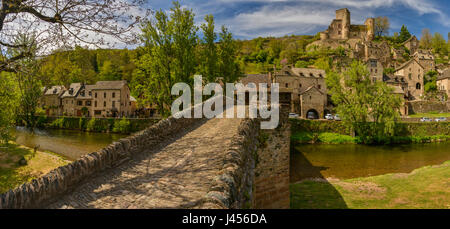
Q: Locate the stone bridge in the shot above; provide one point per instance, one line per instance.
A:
(176, 163)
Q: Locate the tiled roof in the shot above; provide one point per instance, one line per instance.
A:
(303, 72)
(256, 78)
(407, 63)
(105, 85)
(55, 90)
(72, 91)
(445, 74)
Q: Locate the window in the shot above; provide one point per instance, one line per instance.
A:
(418, 86)
(410, 76)
(130, 103)
(97, 112)
(104, 104)
(287, 84)
(88, 103)
(80, 103)
(113, 103)
(90, 93)
(104, 95)
(95, 94)
(376, 70)
(114, 95)
(319, 86)
(95, 104)
(300, 85)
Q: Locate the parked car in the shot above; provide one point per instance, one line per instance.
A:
(329, 117)
(293, 115)
(311, 115)
(441, 119)
(337, 117)
(425, 119)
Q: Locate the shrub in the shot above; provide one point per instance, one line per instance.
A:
(122, 126)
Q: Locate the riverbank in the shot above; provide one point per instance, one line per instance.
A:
(100, 125)
(426, 187)
(20, 164)
(333, 132)
(302, 137)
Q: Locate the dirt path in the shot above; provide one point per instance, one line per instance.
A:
(175, 175)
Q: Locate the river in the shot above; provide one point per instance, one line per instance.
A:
(351, 161)
(71, 144)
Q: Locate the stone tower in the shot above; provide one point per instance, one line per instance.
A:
(370, 27)
(344, 15)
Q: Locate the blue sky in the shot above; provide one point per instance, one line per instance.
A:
(253, 18)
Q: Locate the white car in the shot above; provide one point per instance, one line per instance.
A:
(329, 117)
(337, 118)
(293, 115)
(425, 119)
(441, 119)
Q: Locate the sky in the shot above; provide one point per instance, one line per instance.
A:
(249, 19)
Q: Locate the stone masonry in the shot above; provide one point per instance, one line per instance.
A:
(176, 163)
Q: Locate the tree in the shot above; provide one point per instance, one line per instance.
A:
(228, 67)
(184, 43)
(439, 45)
(67, 22)
(360, 102)
(8, 105)
(404, 34)
(382, 26)
(208, 56)
(425, 39)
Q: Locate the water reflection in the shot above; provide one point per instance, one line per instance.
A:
(350, 161)
(70, 143)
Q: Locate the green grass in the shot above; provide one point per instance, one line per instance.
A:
(427, 187)
(12, 174)
(334, 138)
(326, 138)
(430, 115)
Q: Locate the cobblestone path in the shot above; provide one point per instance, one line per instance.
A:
(176, 174)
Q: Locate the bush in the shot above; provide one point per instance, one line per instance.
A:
(122, 126)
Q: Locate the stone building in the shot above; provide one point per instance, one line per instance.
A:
(111, 98)
(304, 82)
(376, 70)
(50, 100)
(68, 99)
(443, 82)
(412, 44)
(341, 28)
(104, 99)
(426, 59)
(312, 103)
(412, 74)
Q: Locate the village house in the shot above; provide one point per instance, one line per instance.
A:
(50, 100)
(376, 70)
(443, 82)
(412, 74)
(303, 88)
(111, 98)
(307, 87)
(412, 44)
(426, 59)
(104, 99)
(68, 99)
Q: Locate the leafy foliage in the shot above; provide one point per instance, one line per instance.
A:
(359, 101)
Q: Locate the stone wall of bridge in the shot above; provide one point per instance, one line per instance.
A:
(254, 170)
(64, 178)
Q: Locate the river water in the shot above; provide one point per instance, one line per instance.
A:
(71, 144)
(351, 161)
